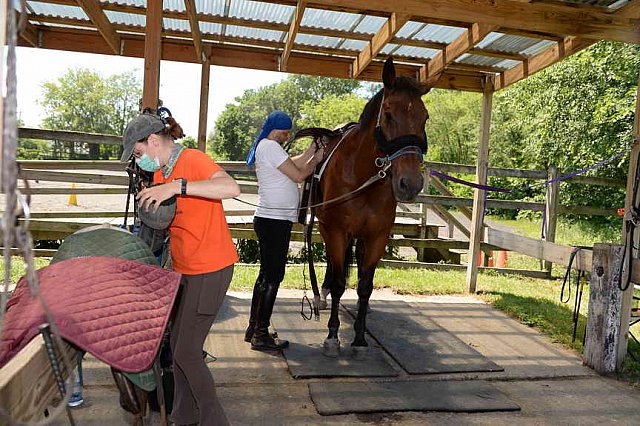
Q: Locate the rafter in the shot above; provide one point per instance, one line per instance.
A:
(386, 33)
(542, 60)
(29, 33)
(465, 42)
(190, 6)
(530, 34)
(96, 14)
(296, 19)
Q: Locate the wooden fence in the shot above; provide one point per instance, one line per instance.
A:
(421, 235)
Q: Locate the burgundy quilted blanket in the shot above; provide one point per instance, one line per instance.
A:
(113, 308)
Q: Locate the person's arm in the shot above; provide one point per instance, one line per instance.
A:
(219, 186)
(299, 167)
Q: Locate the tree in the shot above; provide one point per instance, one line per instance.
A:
(240, 123)
(82, 100)
(572, 115)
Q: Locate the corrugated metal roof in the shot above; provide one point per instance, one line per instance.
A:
(254, 33)
(430, 32)
(260, 11)
(142, 3)
(416, 52)
(176, 24)
(126, 18)
(329, 19)
(538, 47)
(370, 24)
(613, 4)
(319, 41)
(507, 43)
(210, 28)
(209, 7)
(353, 44)
(58, 10)
(479, 60)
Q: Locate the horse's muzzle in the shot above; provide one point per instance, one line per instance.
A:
(406, 188)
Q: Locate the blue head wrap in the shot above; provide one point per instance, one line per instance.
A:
(277, 120)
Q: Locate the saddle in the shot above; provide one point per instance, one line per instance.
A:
(328, 139)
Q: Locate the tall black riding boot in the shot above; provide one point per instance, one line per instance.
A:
(262, 340)
(255, 304)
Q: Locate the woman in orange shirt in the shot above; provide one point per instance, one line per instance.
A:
(201, 250)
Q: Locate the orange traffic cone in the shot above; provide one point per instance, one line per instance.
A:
(73, 198)
(501, 260)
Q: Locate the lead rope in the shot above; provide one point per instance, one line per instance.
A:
(18, 234)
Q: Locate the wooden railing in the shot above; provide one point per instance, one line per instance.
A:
(115, 182)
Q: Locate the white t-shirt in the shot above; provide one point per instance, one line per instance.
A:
(275, 189)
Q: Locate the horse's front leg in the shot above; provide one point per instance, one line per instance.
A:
(337, 253)
(368, 253)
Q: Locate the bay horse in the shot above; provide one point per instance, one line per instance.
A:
(388, 142)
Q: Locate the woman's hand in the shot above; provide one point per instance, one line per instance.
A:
(154, 195)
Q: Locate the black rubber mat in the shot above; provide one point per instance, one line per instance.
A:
(369, 397)
(420, 345)
(304, 355)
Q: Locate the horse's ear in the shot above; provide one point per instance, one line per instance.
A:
(430, 83)
(389, 73)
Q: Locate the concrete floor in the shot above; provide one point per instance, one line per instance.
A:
(547, 381)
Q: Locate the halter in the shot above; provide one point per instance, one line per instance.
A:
(397, 147)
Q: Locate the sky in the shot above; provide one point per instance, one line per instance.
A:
(179, 83)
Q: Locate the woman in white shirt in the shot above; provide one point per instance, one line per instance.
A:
(278, 199)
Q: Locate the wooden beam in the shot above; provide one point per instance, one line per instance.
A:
(419, 43)
(190, 6)
(545, 17)
(27, 383)
(551, 203)
(542, 60)
(293, 31)
(152, 55)
(630, 10)
(530, 34)
(465, 42)
(538, 249)
(482, 165)
(78, 40)
(94, 11)
(204, 105)
(29, 33)
(386, 33)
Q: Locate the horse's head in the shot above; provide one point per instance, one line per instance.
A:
(400, 131)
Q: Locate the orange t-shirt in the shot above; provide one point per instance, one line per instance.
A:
(200, 237)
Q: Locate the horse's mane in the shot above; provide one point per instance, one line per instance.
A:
(402, 84)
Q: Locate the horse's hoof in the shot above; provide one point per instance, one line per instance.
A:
(331, 348)
(360, 352)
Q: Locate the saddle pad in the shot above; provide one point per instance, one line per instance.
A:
(105, 242)
(115, 309)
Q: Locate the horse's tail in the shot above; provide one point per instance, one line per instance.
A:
(348, 260)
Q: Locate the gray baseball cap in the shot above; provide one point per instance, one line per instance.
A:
(161, 218)
(138, 129)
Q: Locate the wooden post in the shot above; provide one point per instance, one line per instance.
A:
(152, 54)
(204, 105)
(605, 309)
(482, 166)
(550, 210)
(423, 219)
(627, 297)
(3, 34)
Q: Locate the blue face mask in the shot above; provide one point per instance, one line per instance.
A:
(147, 164)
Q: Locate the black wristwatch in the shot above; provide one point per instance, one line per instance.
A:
(183, 186)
